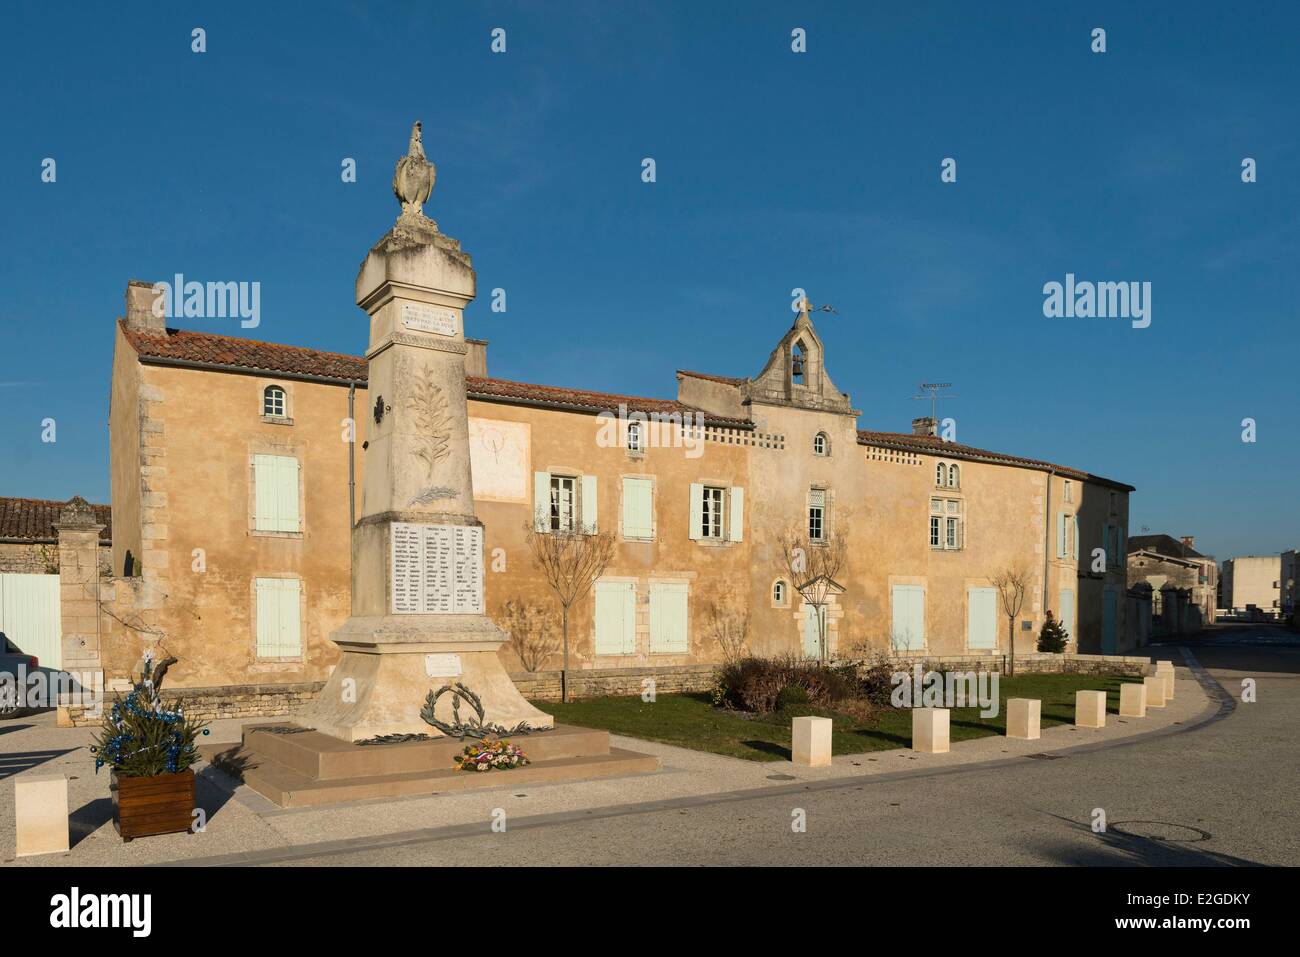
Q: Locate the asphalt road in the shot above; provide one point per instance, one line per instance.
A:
(1224, 793)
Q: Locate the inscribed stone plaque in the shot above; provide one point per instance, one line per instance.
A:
(441, 322)
(437, 569)
(443, 666)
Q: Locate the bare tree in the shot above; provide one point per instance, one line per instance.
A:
(532, 634)
(1010, 583)
(814, 565)
(727, 615)
(571, 560)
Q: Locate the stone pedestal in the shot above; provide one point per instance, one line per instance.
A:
(41, 813)
(811, 742)
(930, 730)
(1024, 718)
(1132, 700)
(1090, 709)
(418, 618)
(1155, 685)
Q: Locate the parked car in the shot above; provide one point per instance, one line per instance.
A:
(10, 661)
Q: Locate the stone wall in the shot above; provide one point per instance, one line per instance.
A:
(1039, 663)
(601, 682)
(242, 701)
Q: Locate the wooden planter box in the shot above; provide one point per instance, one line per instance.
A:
(162, 804)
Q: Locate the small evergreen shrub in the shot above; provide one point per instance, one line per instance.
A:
(1053, 638)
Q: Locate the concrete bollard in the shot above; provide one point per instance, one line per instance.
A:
(1024, 718)
(1090, 709)
(1165, 669)
(1155, 685)
(1133, 700)
(930, 730)
(41, 812)
(811, 742)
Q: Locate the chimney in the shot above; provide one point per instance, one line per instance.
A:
(476, 357)
(925, 425)
(1189, 541)
(140, 316)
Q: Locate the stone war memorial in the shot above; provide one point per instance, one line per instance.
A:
(419, 678)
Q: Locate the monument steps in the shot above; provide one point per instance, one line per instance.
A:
(280, 766)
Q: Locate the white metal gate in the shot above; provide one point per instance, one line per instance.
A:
(29, 616)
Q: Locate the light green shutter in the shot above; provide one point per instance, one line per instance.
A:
(275, 493)
(638, 508)
(1060, 535)
(736, 525)
(811, 633)
(1065, 613)
(589, 525)
(1076, 538)
(908, 632)
(697, 510)
(279, 633)
(264, 473)
(615, 618)
(541, 501)
(287, 494)
(982, 618)
(668, 602)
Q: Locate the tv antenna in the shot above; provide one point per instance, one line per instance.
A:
(933, 390)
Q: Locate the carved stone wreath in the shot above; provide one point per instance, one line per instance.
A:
(475, 727)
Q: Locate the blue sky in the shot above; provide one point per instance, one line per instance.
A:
(774, 170)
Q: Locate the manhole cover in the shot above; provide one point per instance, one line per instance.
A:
(1161, 831)
(781, 777)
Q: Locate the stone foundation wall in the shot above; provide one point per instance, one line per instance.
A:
(603, 682)
(1039, 663)
(239, 701)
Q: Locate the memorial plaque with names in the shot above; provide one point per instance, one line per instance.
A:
(437, 569)
(441, 322)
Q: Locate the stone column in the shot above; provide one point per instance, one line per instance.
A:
(418, 619)
(78, 533)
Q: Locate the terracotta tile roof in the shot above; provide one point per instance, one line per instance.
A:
(1163, 545)
(728, 379)
(189, 348)
(32, 519)
(934, 445)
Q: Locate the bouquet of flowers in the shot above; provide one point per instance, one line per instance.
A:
(142, 738)
(491, 756)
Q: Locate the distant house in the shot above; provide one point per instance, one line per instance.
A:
(1253, 582)
(1164, 562)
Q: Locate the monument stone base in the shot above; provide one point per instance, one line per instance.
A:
(296, 767)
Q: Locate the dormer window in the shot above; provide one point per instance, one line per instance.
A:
(274, 402)
(799, 365)
(821, 444)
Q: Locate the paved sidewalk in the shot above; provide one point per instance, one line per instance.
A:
(241, 822)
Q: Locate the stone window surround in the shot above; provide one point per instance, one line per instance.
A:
(284, 664)
(569, 472)
(828, 507)
(724, 540)
(963, 522)
(269, 447)
(286, 385)
(771, 593)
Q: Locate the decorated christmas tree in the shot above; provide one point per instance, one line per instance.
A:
(141, 736)
(1053, 637)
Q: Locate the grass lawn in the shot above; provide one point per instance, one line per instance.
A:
(690, 721)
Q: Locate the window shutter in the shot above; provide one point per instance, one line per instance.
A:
(668, 602)
(1076, 538)
(589, 525)
(268, 613)
(1105, 543)
(264, 492)
(286, 494)
(638, 508)
(290, 622)
(736, 525)
(541, 501)
(1060, 535)
(697, 510)
(279, 626)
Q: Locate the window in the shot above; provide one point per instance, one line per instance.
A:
(940, 475)
(821, 444)
(945, 524)
(1069, 491)
(712, 512)
(954, 477)
(563, 500)
(273, 402)
(668, 618)
(279, 631)
(817, 515)
(634, 436)
(778, 593)
(275, 493)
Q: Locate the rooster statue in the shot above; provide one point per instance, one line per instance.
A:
(413, 180)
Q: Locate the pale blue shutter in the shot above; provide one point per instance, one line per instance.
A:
(638, 508)
(908, 631)
(264, 496)
(286, 494)
(541, 501)
(1060, 535)
(736, 520)
(982, 618)
(615, 618)
(1066, 611)
(696, 516)
(279, 626)
(811, 635)
(668, 601)
(589, 524)
(1076, 538)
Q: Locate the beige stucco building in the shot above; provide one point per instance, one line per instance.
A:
(1253, 581)
(234, 482)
